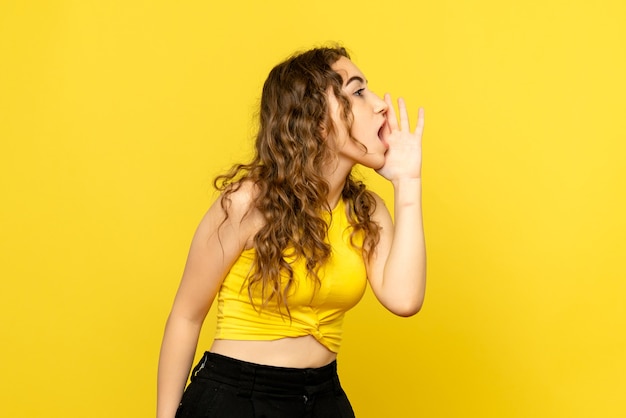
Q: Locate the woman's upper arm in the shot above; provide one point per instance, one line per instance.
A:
(376, 263)
(217, 243)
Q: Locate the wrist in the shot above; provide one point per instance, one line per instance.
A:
(406, 182)
(407, 191)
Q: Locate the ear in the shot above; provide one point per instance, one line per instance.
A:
(325, 128)
(329, 126)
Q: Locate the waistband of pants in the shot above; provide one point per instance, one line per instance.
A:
(249, 377)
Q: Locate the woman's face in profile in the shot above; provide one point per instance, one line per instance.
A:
(369, 118)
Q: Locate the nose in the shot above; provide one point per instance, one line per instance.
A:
(380, 106)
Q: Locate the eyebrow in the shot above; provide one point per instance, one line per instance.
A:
(355, 78)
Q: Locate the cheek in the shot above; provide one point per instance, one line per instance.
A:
(358, 127)
(357, 115)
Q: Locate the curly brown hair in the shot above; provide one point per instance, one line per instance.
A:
(291, 152)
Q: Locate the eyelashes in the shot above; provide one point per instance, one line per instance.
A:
(359, 92)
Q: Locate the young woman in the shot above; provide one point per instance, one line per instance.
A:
(290, 244)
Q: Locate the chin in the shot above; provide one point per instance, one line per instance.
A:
(374, 164)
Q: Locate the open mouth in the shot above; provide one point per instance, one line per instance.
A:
(381, 131)
(381, 134)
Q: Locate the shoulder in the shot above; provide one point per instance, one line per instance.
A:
(380, 207)
(237, 211)
(381, 215)
(240, 200)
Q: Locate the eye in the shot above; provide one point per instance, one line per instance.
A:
(359, 92)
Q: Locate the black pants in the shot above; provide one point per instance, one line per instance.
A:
(223, 387)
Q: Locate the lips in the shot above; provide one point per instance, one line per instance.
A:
(381, 134)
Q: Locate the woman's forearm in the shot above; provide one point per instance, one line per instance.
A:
(405, 270)
(177, 352)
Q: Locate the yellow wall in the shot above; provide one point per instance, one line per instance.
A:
(115, 115)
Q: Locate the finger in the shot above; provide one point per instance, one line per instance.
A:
(420, 121)
(392, 119)
(404, 116)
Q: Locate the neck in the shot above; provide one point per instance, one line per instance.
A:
(336, 178)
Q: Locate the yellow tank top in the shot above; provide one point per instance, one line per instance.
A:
(315, 310)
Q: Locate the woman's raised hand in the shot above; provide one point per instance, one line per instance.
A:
(403, 159)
